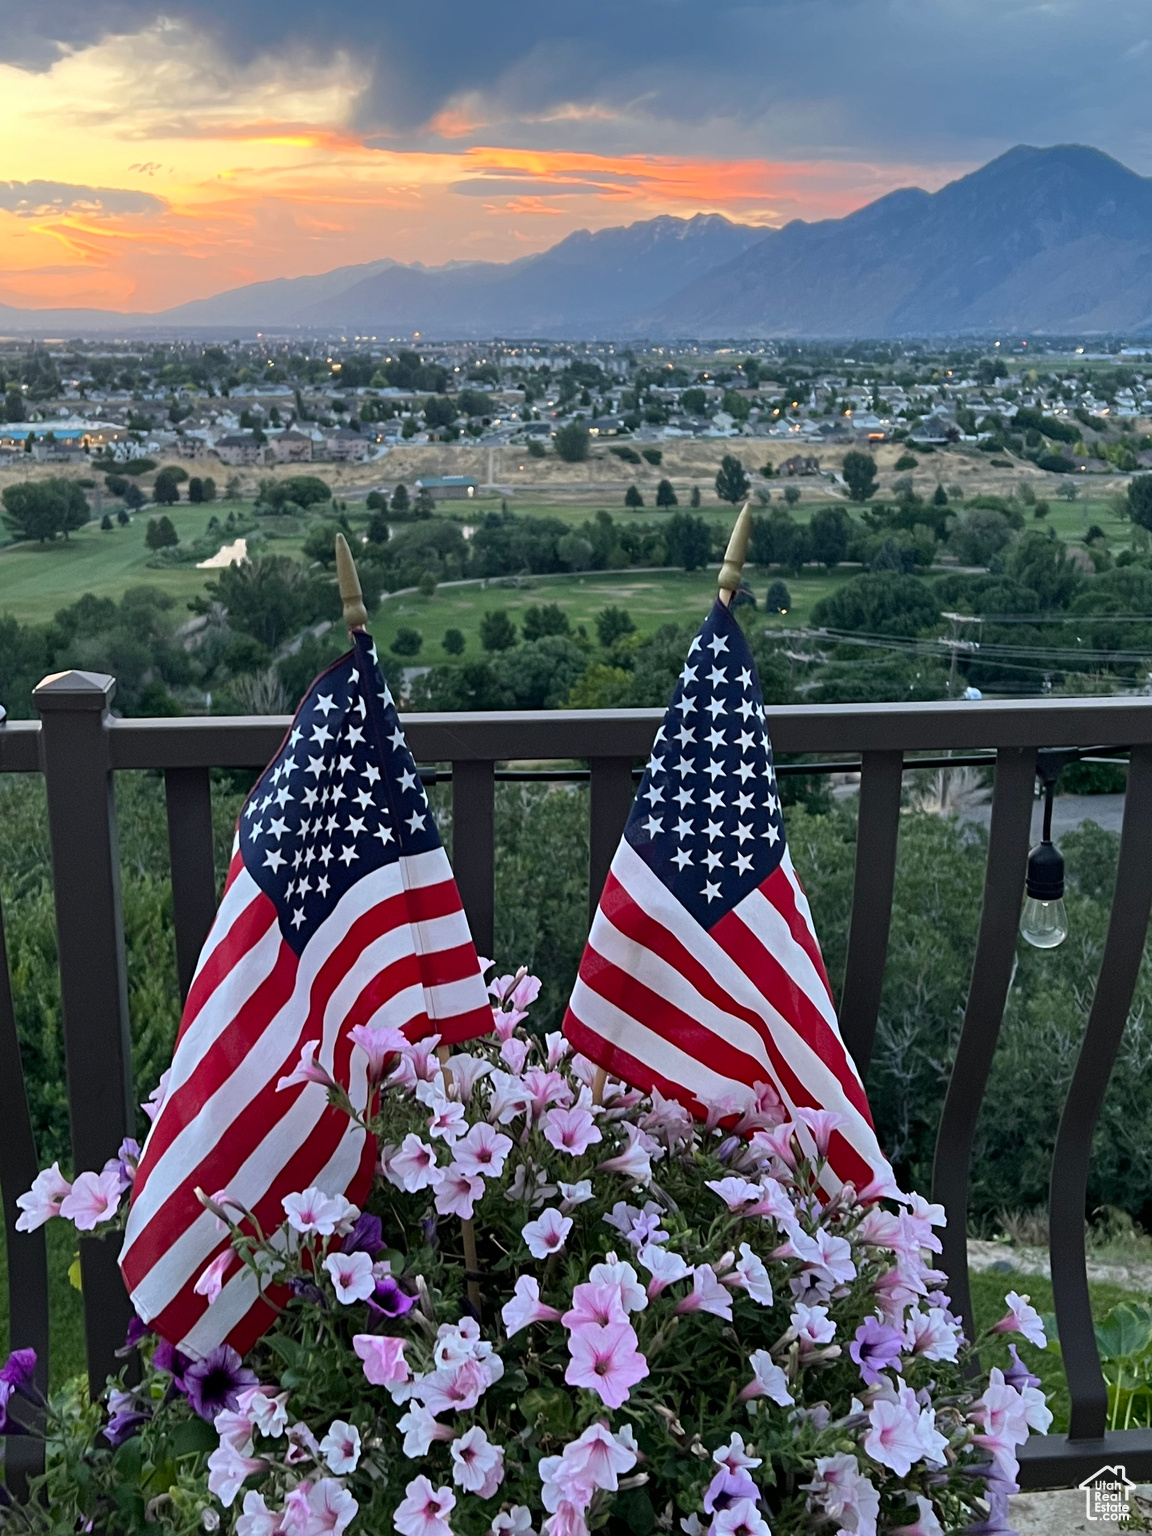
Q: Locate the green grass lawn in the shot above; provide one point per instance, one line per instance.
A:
(37, 579)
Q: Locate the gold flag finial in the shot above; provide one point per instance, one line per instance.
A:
(731, 571)
(355, 613)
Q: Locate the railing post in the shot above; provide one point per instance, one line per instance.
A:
(93, 987)
(188, 793)
(474, 847)
(611, 792)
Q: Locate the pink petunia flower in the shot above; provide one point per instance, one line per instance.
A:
(614, 1271)
(227, 1470)
(420, 1429)
(352, 1277)
(821, 1123)
(477, 1464)
(154, 1103)
(383, 1357)
(547, 1234)
(93, 1198)
(526, 1307)
(211, 1281)
(893, 1437)
(741, 1518)
(464, 1071)
(515, 1052)
(414, 1167)
(307, 1070)
(706, 1295)
(814, 1328)
(257, 1519)
(596, 1304)
(448, 1120)
(1022, 1318)
(379, 1045)
(330, 1509)
(314, 1212)
(457, 1192)
(483, 1151)
(751, 1275)
(635, 1161)
(736, 1193)
(768, 1380)
(665, 1267)
(340, 1447)
(605, 1360)
(844, 1494)
(601, 1458)
(926, 1523)
(733, 1455)
(571, 1130)
(424, 1510)
(267, 1412)
(43, 1200)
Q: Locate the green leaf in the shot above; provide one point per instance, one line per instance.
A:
(548, 1405)
(193, 1437)
(287, 1349)
(74, 1273)
(635, 1508)
(1125, 1333)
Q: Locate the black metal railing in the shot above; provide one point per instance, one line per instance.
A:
(78, 746)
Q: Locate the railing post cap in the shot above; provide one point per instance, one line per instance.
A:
(74, 690)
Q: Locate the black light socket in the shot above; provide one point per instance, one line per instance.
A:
(1045, 873)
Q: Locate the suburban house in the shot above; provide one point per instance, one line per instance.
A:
(345, 446)
(801, 464)
(239, 448)
(291, 447)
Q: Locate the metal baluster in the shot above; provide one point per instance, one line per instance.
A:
(473, 847)
(27, 1251)
(991, 975)
(609, 802)
(93, 986)
(188, 793)
(1119, 967)
(877, 831)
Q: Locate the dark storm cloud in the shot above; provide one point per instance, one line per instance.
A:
(31, 199)
(916, 79)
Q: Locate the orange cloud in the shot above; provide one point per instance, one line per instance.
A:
(256, 173)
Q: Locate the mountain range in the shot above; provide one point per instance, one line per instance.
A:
(1055, 240)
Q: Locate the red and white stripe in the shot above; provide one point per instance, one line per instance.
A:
(395, 951)
(706, 1014)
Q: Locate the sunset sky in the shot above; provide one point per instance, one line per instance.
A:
(154, 156)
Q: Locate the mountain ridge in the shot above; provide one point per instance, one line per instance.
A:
(1055, 240)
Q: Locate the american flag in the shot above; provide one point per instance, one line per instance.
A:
(339, 909)
(702, 975)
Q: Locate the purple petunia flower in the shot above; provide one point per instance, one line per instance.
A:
(215, 1383)
(1018, 1375)
(367, 1236)
(138, 1331)
(166, 1357)
(125, 1417)
(18, 1368)
(390, 1299)
(875, 1348)
(727, 1487)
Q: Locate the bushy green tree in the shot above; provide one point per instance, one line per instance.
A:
(497, 631)
(41, 509)
(1140, 500)
(407, 641)
(828, 532)
(778, 599)
(400, 500)
(572, 442)
(879, 603)
(732, 483)
(545, 619)
(665, 494)
(860, 475)
(166, 486)
(270, 598)
(632, 497)
(454, 642)
(161, 533)
(612, 624)
(687, 541)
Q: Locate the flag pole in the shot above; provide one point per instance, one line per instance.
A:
(348, 581)
(732, 570)
(731, 574)
(356, 617)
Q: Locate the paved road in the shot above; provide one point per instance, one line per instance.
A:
(1068, 811)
